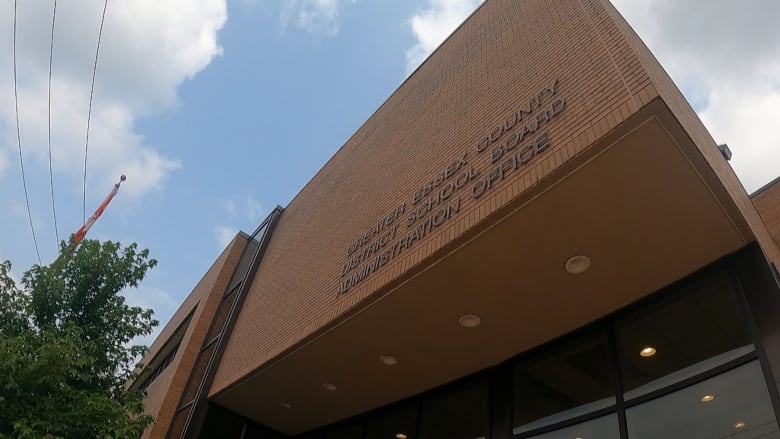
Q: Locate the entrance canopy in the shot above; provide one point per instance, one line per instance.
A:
(641, 204)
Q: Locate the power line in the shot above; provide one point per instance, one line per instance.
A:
(51, 174)
(89, 115)
(19, 142)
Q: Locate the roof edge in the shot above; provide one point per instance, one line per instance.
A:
(765, 187)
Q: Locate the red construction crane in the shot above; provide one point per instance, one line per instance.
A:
(82, 231)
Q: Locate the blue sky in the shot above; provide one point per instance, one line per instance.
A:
(217, 111)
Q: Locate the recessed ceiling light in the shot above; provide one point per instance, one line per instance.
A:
(400, 436)
(647, 351)
(330, 386)
(286, 405)
(577, 264)
(469, 321)
(388, 360)
(707, 398)
(739, 424)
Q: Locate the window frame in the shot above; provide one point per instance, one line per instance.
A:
(499, 378)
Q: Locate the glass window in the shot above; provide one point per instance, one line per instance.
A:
(560, 384)
(399, 423)
(221, 424)
(458, 414)
(605, 427)
(351, 430)
(256, 431)
(733, 404)
(694, 330)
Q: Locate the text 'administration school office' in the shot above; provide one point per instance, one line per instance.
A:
(534, 236)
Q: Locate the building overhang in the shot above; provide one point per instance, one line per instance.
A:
(641, 202)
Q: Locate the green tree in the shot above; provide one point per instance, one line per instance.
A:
(65, 345)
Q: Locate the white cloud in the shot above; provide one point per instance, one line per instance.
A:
(433, 25)
(149, 339)
(315, 16)
(726, 59)
(151, 298)
(149, 48)
(3, 162)
(14, 277)
(253, 209)
(247, 213)
(229, 207)
(224, 235)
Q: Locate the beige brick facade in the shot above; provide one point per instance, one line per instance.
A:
(599, 67)
(767, 201)
(542, 81)
(164, 393)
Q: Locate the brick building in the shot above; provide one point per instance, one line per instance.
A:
(534, 236)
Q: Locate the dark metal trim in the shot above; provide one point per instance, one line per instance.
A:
(717, 370)
(621, 406)
(158, 358)
(231, 290)
(568, 422)
(500, 401)
(199, 405)
(417, 417)
(210, 342)
(617, 379)
(499, 384)
(498, 379)
(738, 272)
(185, 406)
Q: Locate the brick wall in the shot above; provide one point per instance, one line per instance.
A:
(164, 392)
(499, 59)
(767, 201)
(663, 87)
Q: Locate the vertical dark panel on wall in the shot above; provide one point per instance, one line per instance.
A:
(761, 287)
(500, 401)
(193, 407)
(617, 382)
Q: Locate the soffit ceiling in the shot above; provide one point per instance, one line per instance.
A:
(640, 208)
